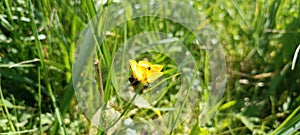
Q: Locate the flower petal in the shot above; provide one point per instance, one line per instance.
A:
(145, 72)
(154, 77)
(133, 65)
(141, 72)
(157, 68)
(145, 64)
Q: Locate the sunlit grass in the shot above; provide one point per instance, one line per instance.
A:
(259, 39)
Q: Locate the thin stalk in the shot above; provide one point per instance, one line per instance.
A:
(159, 83)
(8, 10)
(184, 101)
(6, 110)
(125, 110)
(15, 111)
(44, 68)
(35, 33)
(40, 101)
(160, 97)
(31, 131)
(99, 57)
(286, 120)
(10, 16)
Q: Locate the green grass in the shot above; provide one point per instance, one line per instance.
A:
(37, 49)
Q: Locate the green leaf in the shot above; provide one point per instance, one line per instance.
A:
(7, 103)
(5, 23)
(227, 105)
(246, 121)
(197, 130)
(291, 124)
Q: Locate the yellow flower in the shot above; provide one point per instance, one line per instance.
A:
(145, 72)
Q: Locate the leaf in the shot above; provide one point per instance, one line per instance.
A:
(7, 103)
(197, 130)
(291, 124)
(227, 105)
(246, 121)
(5, 23)
(10, 105)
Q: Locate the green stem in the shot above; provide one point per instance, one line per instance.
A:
(286, 120)
(6, 110)
(184, 101)
(10, 16)
(40, 101)
(35, 34)
(44, 68)
(125, 110)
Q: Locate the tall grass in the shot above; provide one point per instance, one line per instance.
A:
(38, 43)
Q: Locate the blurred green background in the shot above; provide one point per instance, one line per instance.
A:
(259, 37)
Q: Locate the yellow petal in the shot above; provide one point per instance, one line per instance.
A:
(141, 72)
(145, 64)
(133, 65)
(154, 76)
(145, 72)
(157, 68)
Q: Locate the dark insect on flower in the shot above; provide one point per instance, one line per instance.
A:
(137, 85)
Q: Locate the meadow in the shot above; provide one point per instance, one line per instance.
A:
(48, 87)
